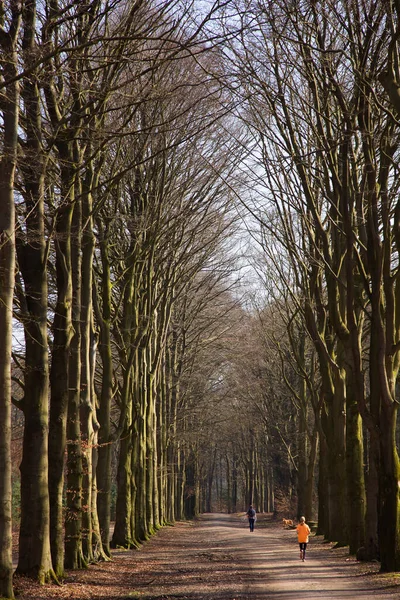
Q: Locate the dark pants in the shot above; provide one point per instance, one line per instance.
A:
(303, 547)
(251, 523)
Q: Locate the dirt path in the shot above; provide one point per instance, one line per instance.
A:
(217, 558)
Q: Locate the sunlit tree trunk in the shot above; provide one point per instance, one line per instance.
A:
(103, 317)
(148, 443)
(302, 442)
(34, 531)
(9, 113)
(141, 459)
(171, 425)
(74, 556)
(88, 360)
(162, 443)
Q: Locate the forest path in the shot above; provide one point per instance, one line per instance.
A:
(217, 558)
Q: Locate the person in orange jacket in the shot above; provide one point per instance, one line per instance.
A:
(303, 531)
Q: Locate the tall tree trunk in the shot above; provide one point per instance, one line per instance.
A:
(35, 555)
(355, 472)
(333, 427)
(105, 440)
(88, 360)
(210, 479)
(34, 542)
(372, 477)
(104, 319)
(309, 494)
(389, 494)
(35, 504)
(323, 504)
(149, 447)
(234, 482)
(34, 530)
(338, 507)
(80, 399)
(171, 426)
(9, 111)
(382, 230)
(127, 510)
(162, 443)
(125, 530)
(141, 461)
(62, 330)
(122, 535)
(125, 524)
(74, 555)
(190, 479)
(228, 483)
(302, 443)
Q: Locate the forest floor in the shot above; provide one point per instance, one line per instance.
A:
(217, 558)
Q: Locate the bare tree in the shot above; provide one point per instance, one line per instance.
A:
(9, 102)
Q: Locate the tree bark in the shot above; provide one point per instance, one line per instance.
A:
(104, 320)
(10, 112)
(355, 471)
(74, 554)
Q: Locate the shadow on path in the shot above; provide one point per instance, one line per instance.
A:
(218, 558)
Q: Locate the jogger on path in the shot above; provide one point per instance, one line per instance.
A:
(303, 531)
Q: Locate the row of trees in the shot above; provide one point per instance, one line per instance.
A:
(114, 220)
(317, 82)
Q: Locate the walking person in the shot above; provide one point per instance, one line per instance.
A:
(251, 515)
(303, 531)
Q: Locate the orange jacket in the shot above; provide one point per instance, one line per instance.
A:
(303, 531)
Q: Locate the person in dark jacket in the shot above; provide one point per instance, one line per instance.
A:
(251, 515)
